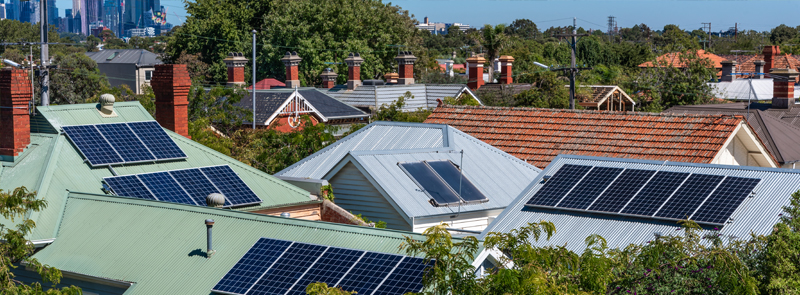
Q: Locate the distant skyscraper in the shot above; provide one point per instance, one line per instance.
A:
(2, 11)
(111, 15)
(13, 9)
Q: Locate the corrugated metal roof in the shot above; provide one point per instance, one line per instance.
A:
(425, 95)
(269, 101)
(60, 166)
(746, 89)
(161, 246)
(139, 57)
(757, 214)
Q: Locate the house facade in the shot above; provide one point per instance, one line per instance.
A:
(131, 67)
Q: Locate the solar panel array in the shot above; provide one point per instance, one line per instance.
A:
(670, 195)
(186, 186)
(281, 267)
(118, 143)
(443, 182)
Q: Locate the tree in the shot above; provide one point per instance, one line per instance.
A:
(449, 268)
(76, 79)
(549, 92)
(394, 111)
(664, 85)
(493, 39)
(319, 288)
(782, 34)
(781, 263)
(16, 205)
(523, 28)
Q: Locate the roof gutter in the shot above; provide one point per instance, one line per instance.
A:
(42, 243)
(349, 117)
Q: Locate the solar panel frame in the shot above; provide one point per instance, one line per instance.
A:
(236, 189)
(107, 155)
(622, 190)
(725, 200)
(431, 184)
(287, 270)
(558, 185)
(166, 188)
(195, 183)
(469, 193)
(323, 269)
(247, 271)
(130, 190)
(157, 140)
(654, 193)
(126, 143)
(685, 201)
(589, 188)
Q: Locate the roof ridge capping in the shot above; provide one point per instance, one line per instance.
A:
(592, 111)
(674, 163)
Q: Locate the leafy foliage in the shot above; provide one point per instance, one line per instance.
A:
(323, 289)
(394, 111)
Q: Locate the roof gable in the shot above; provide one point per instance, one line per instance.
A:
(538, 135)
(269, 103)
(425, 95)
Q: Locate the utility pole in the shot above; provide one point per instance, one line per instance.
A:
(736, 32)
(45, 55)
(254, 79)
(708, 35)
(572, 69)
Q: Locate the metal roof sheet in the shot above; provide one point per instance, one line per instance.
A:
(425, 95)
(269, 101)
(746, 89)
(757, 214)
(161, 246)
(139, 57)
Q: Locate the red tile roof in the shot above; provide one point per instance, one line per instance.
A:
(538, 135)
(673, 58)
(267, 84)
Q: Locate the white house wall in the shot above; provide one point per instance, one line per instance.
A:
(353, 192)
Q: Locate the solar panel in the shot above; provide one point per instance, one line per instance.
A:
(453, 177)
(251, 266)
(369, 272)
(622, 190)
(285, 272)
(236, 192)
(654, 193)
(125, 142)
(427, 179)
(558, 185)
(129, 186)
(165, 188)
(590, 187)
(725, 199)
(406, 277)
(92, 145)
(162, 146)
(195, 183)
(329, 269)
(691, 194)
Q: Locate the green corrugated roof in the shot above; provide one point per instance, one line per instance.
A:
(53, 166)
(152, 243)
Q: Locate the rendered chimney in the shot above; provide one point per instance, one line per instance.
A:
(171, 85)
(15, 126)
(353, 62)
(328, 78)
(235, 62)
(506, 76)
(292, 61)
(770, 53)
(728, 70)
(475, 65)
(405, 63)
(391, 78)
(783, 88)
(759, 65)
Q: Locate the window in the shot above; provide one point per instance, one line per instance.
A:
(148, 75)
(443, 182)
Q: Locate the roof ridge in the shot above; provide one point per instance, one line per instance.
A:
(599, 112)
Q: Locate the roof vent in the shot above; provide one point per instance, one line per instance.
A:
(286, 215)
(373, 83)
(107, 106)
(215, 200)
(210, 251)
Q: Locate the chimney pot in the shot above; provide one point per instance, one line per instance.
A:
(405, 63)
(728, 70)
(506, 76)
(783, 88)
(328, 78)
(15, 96)
(235, 63)
(759, 65)
(353, 62)
(292, 61)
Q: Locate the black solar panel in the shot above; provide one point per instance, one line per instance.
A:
(558, 185)
(406, 277)
(165, 188)
(369, 272)
(125, 142)
(285, 272)
(251, 266)
(453, 177)
(162, 146)
(725, 199)
(427, 179)
(129, 186)
(329, 269)
(622, 190)
(589, 188)
(236, 192)
(92, 145)
(195, 183)
(654, 193)
(691, 194)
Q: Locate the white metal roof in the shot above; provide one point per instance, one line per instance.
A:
(746, 89)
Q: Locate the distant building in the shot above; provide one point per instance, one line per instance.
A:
(141, 32)
(2, 11)
(132, 67)
(441, 28)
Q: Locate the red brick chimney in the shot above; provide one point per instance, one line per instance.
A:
(292, 61)
(770, 53)
(783, 88)
(235, 62)
(328, 78)
(505, 69)
(171, 85)
(475, 65)
(353, 62)
(15, 127)
(405, 63)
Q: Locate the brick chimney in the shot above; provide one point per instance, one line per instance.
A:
(235, 62)
(770, 53)
(759, 64)
(171, 85)
(505, 69)
(291, 60)
(783, 88)
(353, 62)
(328, 78)
(15, 127)
(475, 65)
(405, 63)
(728, 70)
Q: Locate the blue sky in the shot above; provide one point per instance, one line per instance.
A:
(755, 15)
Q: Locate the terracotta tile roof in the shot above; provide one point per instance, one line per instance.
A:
(267, 84)
(673, 58)
(538, 135)
(744, 63)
